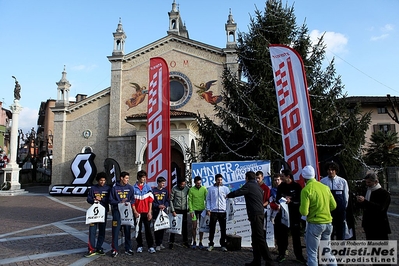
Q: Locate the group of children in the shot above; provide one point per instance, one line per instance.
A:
(141, 198)
(146, 204)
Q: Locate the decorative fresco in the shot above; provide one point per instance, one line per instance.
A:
(138, 96)
(204, 92)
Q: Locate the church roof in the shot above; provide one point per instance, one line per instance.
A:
(173, 38)
(79, 104)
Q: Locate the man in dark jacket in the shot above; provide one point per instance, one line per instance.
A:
(375, 206)
(291, 191)
(253, 195)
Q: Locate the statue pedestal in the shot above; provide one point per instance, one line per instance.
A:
(11, 174)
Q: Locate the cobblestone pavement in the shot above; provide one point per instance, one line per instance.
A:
(38, 229)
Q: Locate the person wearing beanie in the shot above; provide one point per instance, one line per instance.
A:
(317, 202)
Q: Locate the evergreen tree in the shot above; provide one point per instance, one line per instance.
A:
(250, 127)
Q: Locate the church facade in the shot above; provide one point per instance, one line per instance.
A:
(112, 123)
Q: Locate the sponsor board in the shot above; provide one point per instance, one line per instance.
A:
(84, 172)
(69, 190)
(233, 173)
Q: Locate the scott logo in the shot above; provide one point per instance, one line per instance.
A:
(84, 170)
(126, 213)
(96, 211)
(69, 190)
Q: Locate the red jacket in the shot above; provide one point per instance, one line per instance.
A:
(266, 192)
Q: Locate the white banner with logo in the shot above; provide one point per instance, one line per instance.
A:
(285, 214)
(269, 227)
(230, 210)
(162, 221)
(295, 114)
(95, 214)
(126, 212)
(175, 223)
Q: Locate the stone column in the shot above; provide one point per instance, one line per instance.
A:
(11, 172)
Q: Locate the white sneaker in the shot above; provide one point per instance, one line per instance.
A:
(151, 250)
(162, 246)
(210, 248)
(139, 249)
(224, 249)
(158, 248)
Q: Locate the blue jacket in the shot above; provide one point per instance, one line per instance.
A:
(161, 197)
(119, 192)
(103, 192)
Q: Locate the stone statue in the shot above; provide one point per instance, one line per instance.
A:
(17, 89)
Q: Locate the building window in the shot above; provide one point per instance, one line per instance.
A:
(180, 90)
(384, 128)
(382, 110)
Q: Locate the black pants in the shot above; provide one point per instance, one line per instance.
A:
(338, 225)
(221, 218)
(282, 238)
(184, 227)
(148, 234)
(375, 235)
(259, 245)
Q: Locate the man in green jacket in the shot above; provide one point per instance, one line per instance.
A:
(196, 203)
(317, 202)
